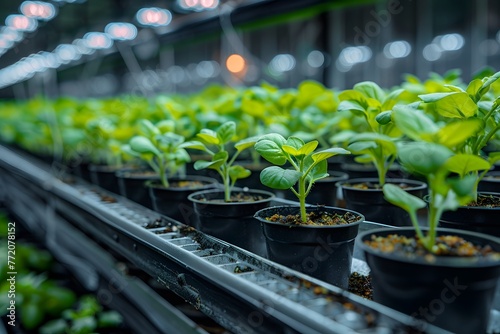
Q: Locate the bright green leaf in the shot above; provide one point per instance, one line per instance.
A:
(399, 197)
(361, 146)
(328, 153)
(473, 89)
(413, 123)
(202, 164)
(319, 171)
(370, 89)
(463, 164)
(278, 178)
(455, 105)
(271, 151)
(208, 137)
(308, 148)
(195, 145)
(295, 142)
(226, 132)
(142, 144)
(423, 158)
(237, 172)
(246, 143)
(456, 133)
(290, 150)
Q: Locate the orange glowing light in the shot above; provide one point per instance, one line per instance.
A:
(235, 63)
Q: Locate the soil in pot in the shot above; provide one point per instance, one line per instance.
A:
(458, 282)
(132, 185)
(366, 196)
(322, 249)
(173, 201)
(481, 216)
(232, 221)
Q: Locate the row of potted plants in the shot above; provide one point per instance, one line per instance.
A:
(436, 131)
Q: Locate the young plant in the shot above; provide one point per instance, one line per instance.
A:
(374, 141)
(307, 166)
(473, 103)
(451, 179)
(160, 148)
(215, 144)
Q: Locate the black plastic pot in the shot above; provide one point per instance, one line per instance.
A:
(105, 177)
(473, 218)
(490, 182)
(253, 181)
(372, 204)
(324, 252)
(132, 185)
(82, 171)
(232, 222)
(324, 191)
(454, 293)
(173, 201)
(357, 170)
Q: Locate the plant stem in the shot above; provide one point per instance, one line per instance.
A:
(163, 174)
(302, 199)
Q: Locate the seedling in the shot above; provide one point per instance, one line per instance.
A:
(307, 166)
(374, 141)
(160, 148)
(451, 179)
(215, 144)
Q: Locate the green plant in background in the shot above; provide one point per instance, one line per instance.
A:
(88, 317)
(215, 144)
(307, 166)
(451, 180)
(160, 148)
(472, 103)
(375, 141)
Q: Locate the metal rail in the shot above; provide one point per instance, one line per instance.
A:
(241, 291)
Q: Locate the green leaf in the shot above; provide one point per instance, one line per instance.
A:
(195, 145)
(473, 89)
(371, 90)
(352, 106)
(463, 186)
(202, 164)
(237, 172)
(328, 153)
(456, 133)
(290, 150)
(434, 97)
(397, 196)
(361, 147)
(57, 326)
(278, 178)
(423, 158)
(308, 148)
(109, 319)
(31, 315)
(226, 132)
(143, 145)
(246, 143)
(271, 151)
(147, 128)
(166, 126)
(208, 137)
(455, 105)
(413, 123)
(294, 142)
(84, 325)
(384, 117)
(463, 164)
(319, 171)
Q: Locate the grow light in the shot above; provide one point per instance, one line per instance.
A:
(154, 17)
(98, 40)
(21, 23)
(121, 31)
(397, 49)
(198, 5)
(315, 59)
(235, 63)
(282, 63)
(38, 10)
